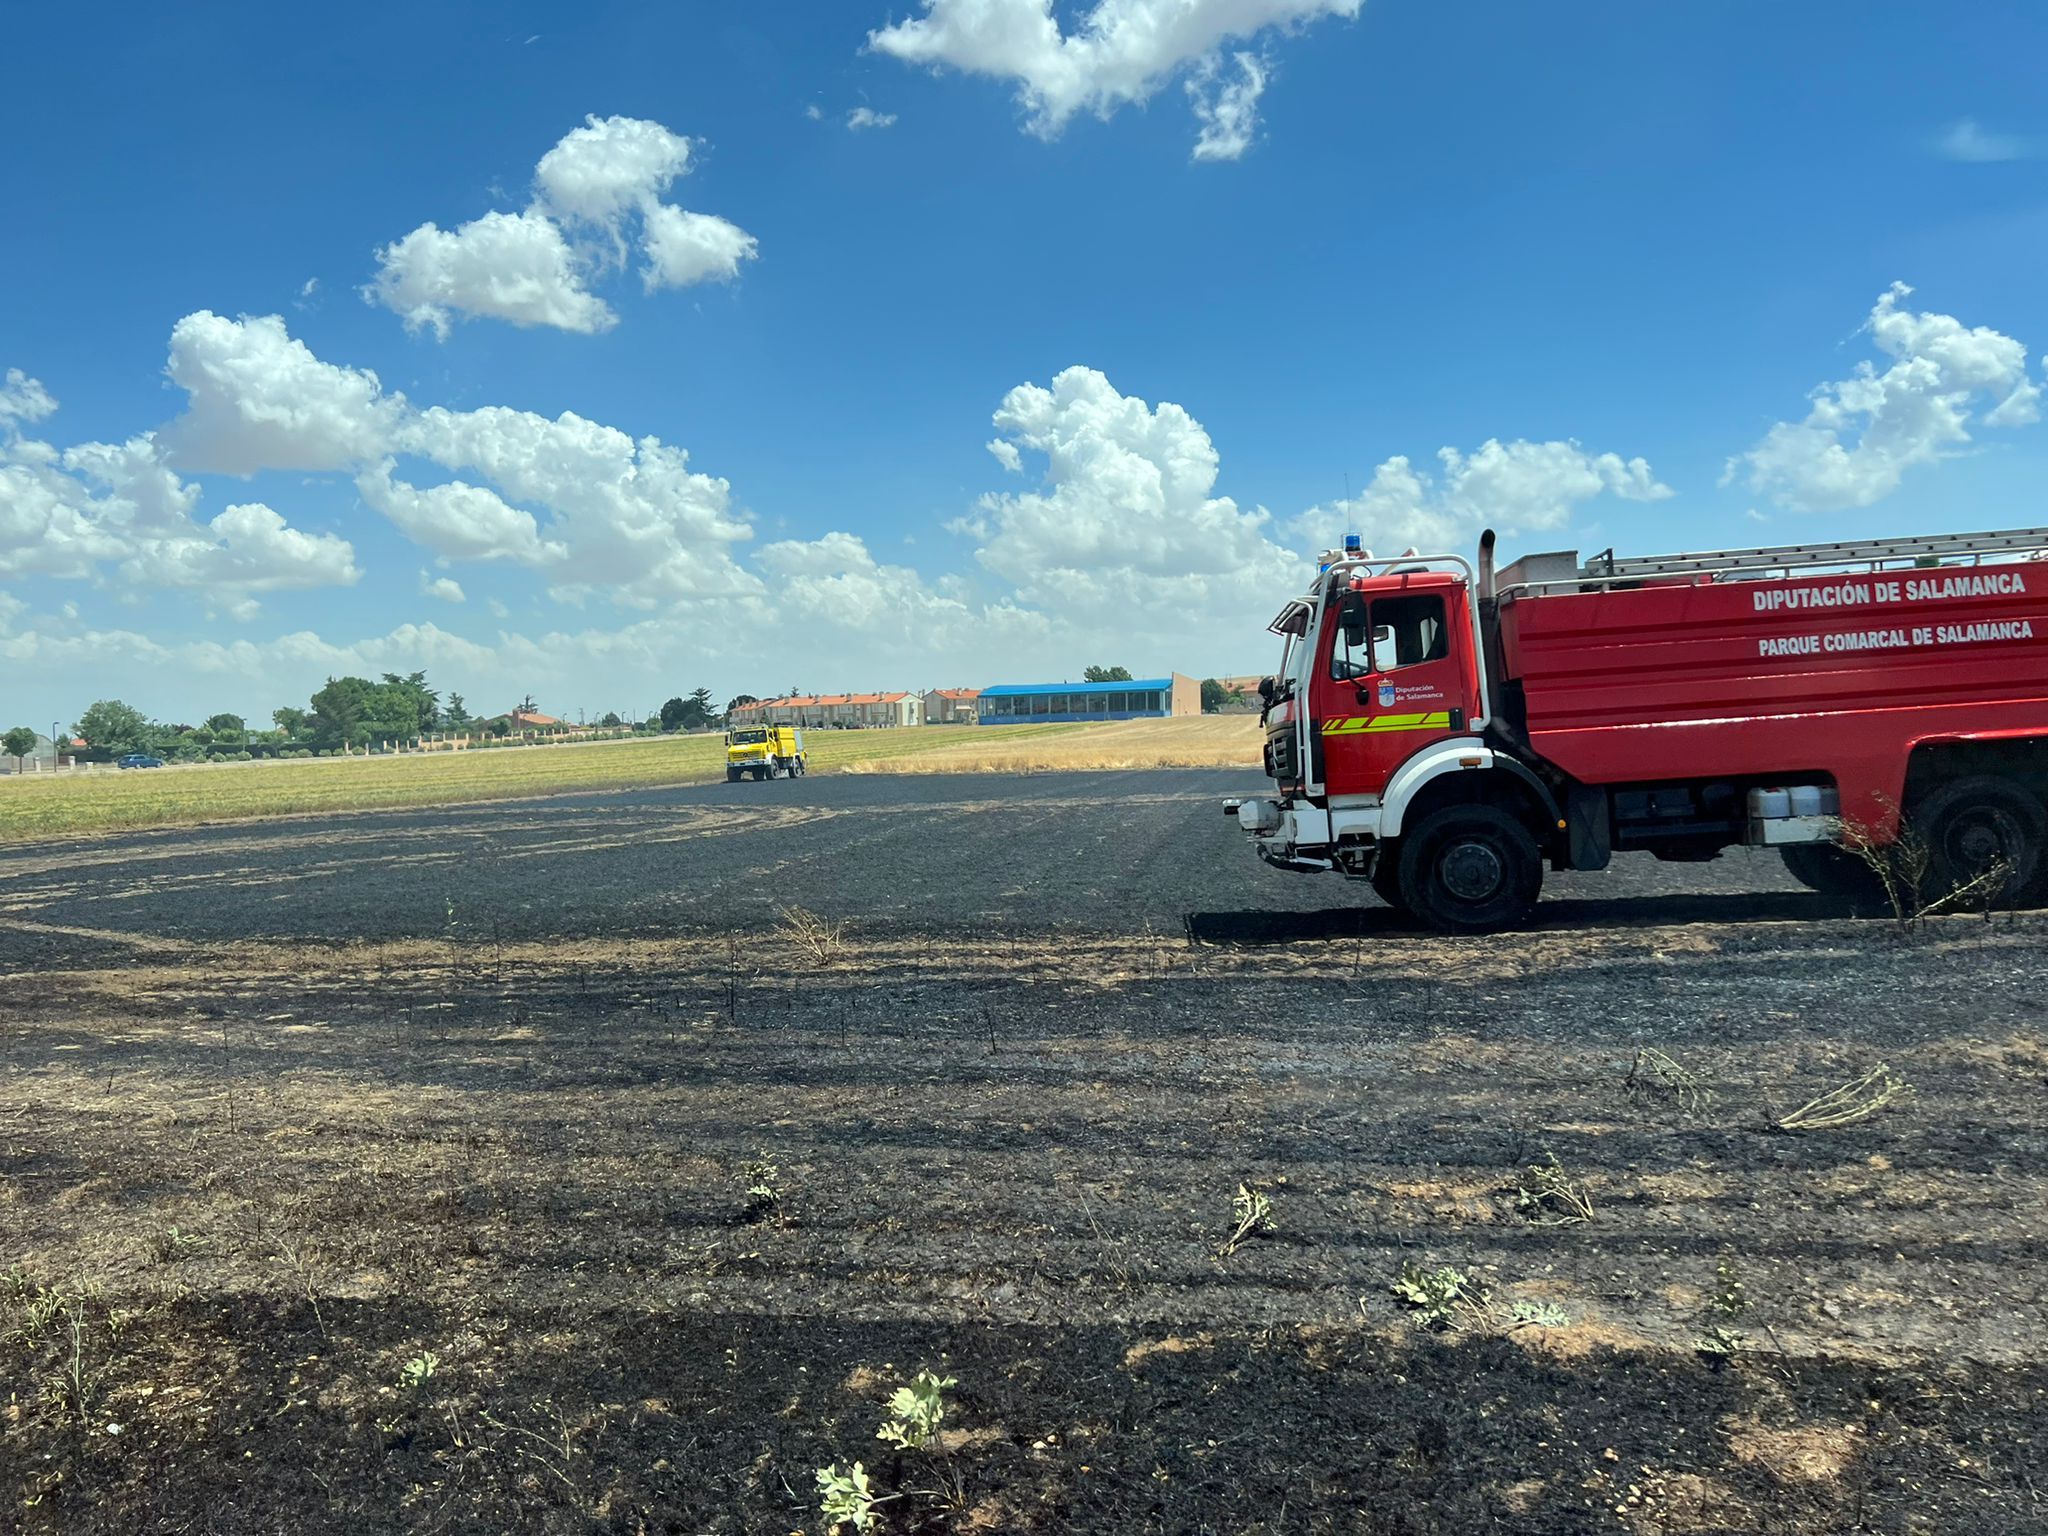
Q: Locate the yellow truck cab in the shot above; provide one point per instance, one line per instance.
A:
(764, 752)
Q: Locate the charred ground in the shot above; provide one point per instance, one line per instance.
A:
(286, 1107)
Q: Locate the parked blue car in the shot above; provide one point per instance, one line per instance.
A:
(140, 760)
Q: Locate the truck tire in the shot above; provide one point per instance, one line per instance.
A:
(732, 775)
(1835, 871)
(1971, 824)
(1470, 869)
(1386, 878)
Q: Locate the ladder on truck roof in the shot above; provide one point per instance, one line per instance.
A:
(1876, 553)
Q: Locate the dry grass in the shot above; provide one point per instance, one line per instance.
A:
(34, 808)
(1201, 741)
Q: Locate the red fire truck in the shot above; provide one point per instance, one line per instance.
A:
(1444, 733)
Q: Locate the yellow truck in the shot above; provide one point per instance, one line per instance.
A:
(764, 752)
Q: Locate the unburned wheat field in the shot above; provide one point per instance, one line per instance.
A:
(605, 1163)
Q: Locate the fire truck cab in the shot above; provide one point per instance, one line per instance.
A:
(1444, 733)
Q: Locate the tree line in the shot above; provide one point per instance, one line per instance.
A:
(347, 713)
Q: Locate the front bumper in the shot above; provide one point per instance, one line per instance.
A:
(1308, 838)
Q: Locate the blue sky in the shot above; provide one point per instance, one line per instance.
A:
(1620, 244)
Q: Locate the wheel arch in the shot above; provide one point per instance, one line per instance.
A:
(2018, 756)
(1445, 774)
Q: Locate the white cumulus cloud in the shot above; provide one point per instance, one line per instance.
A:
(536, 267)
(248, 548)
(1516, 487)
(260, 399)
(609, 168)
(684, 248)
(1126, 522)
(73, 513)
(456, 520)
(1117, 53)
(862, 118)
(446, 588)
(1863, 433)
(23, 399)
(507, 266)
(634, 523)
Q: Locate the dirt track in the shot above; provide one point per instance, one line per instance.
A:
(481, 1082)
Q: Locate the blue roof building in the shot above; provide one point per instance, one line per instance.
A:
(1140, 699)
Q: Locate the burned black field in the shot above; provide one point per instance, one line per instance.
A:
(605, 1163)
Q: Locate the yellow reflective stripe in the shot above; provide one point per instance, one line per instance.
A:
(1440, 721)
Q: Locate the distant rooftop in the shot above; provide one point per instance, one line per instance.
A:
(1136, 685)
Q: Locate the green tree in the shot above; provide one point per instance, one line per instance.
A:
(224, 733)
(736, 701)
(611, 720)
(455, 714)
(672, 714)
(340, 710)
(356, 710)
(1214, 696)
(112, 729)
(409, 703)
(1107, 674)
(292, 722)
(698, 710)
(17, 744)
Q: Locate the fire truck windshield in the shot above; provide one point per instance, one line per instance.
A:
(745, 738)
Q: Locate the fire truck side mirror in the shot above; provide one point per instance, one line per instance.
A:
(1351, 617)
(1266, 691)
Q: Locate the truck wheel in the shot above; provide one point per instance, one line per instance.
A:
(1835, 871)
(1470, 869)
(1972, 825)
(732, 775)
(1386, 878)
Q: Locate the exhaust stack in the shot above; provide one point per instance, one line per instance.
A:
(1486, 566)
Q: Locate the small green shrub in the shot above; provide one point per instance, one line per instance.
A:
(762, 1181)
(846, 1498)
(915, 1411)
(419, 1370)
(1437, 1295)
